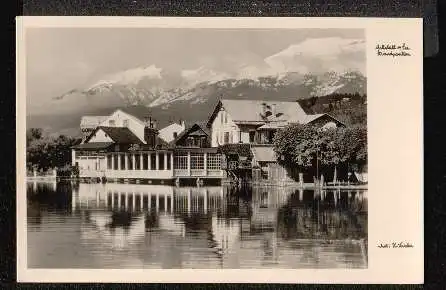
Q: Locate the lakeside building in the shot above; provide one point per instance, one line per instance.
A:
(124, 148)
(256, 121)
(236, 142)
(245, 130)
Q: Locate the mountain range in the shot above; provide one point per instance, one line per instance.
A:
(189, 102)
(313, 68)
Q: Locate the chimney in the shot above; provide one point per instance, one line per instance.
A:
(183, 125)
(150, 131)
(264, 109)
(273, 109)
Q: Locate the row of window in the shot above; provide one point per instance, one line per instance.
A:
(196, 142)
(254, 137)
(139, 162)
(118, 161)
(180, 161)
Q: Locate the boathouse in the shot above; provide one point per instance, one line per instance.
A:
(194, 157)
(123, 148)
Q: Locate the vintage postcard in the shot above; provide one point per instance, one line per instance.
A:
(262, 150)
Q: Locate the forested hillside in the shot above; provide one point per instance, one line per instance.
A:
(350, 109)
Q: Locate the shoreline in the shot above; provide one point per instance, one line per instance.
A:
(278, 184)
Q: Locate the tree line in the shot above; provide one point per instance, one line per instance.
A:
(45, 152)
(310, 148)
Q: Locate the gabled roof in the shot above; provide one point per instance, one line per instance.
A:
(138, 119)
(138, 112)
(312, 118)
(171, 125)
(190, 130)
(252, 111)
(167, 133)
(91, 122)
(118, 135)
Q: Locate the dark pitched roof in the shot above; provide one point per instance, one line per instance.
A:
(93, 146)
(312, 118)
(190, 129)
(160, 144)
(203, 127)
(214, 114)
(118, 135)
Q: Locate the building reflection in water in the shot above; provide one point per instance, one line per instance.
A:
(182, 227)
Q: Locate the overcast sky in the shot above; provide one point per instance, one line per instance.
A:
(60, 59)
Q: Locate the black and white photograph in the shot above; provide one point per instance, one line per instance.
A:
(197, 148)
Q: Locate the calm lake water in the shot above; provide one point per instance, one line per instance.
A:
(147, 226)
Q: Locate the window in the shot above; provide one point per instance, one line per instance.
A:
(152, 161)
(137, 162)
(264, 168)
(264, 200)
(197, 161)
(130, 162)
(161, 161)
(214, 161)
(175, 135)
(145, 162)
(109, 162)
(271, 136)
(203, 142)
(180, 161)
(226, 138)
(125, 123)
(231, 138)
(252, 135)
(122, 161)
(115, 160)
(168, 165)
(111, 123)
(190, 142)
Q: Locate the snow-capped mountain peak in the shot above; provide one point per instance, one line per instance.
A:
(317, 55)
(130, 76)
(200, 75)
(313, 67)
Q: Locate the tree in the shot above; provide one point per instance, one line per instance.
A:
(34, 134)
(45, 152)
(295, 145)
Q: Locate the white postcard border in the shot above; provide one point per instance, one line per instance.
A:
(395, 195)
